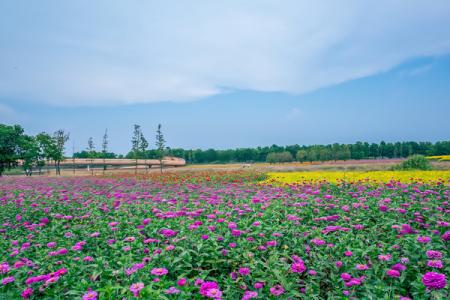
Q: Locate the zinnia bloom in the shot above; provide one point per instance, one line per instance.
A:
(159, 271)
(90, 296)
(434, 281)
(277, 290)
(393, 273)
(135, 288)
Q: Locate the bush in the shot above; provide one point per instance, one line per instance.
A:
(278, 157)
(415, 162)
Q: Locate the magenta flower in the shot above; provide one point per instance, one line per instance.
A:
(159, 271)
(91, 295)
(244, 271)
(437, 264)
(393, 273)
(27, 293)
(181, 282)
(172, 290)
(298, 267)
(433, 254)
(135, 288)
(434, 281)
(277, 290)
(362, 267)
(210, 289)
(7, 280)
(258, 285)
(423, 239)
(249, 295)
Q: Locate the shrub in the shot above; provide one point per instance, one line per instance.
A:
(414, 162)
(278, 157)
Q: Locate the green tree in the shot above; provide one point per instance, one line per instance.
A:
(29, 153)
(10, 137)
(105, 149)
(60, 138)
(301, 155)
(160, 144)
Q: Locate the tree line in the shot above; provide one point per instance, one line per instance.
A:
(44, 149)
(33, 151)
(275, 153)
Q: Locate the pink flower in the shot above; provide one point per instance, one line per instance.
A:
(249, 295)
(244, 271)
(272, 243)
(181, 282)
(423, 239)
(210, 289)
(159, 271)
(4, 268)
(7, 280)
(26, 293)
(435, 264)
(277, 290)
(135, 288)
(346, 276)
(362, 267)
(298, 267)
(213, 293)
(393, 273)
(52, 280)
(433, 254)
(91, 295)
(348, 253)
(434, 281)
(172, 290)
(258, 285)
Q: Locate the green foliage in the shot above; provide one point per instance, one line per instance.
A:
(414, 162)
(10, 138)
(280, 157)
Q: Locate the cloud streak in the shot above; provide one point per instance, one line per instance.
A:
(143, 51)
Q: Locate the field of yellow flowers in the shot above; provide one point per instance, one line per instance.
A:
(372, 176)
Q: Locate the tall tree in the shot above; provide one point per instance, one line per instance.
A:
(160, 144)
(10, 137)
(29, 153)
(91, 151)
(47, 146)
(105, 143)
(60, 138)
(136, 143)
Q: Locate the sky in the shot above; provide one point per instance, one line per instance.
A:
(227, 74)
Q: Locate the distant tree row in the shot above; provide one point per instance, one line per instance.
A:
(37, 151)
(274, 153)
(32, 151)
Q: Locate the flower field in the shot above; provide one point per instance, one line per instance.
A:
(431, 177)
(224, 236)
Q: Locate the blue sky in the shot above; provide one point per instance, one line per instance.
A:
(227, 75)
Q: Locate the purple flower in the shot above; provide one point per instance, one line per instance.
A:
(433, 254)
(244, 271)
(172, 290)
(159, 271)
(435, 264)
(434, 281)
(7, 280)
(393, 273)
(277, 290)
(91, 295)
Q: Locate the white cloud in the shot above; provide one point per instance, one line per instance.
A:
(139, 51)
